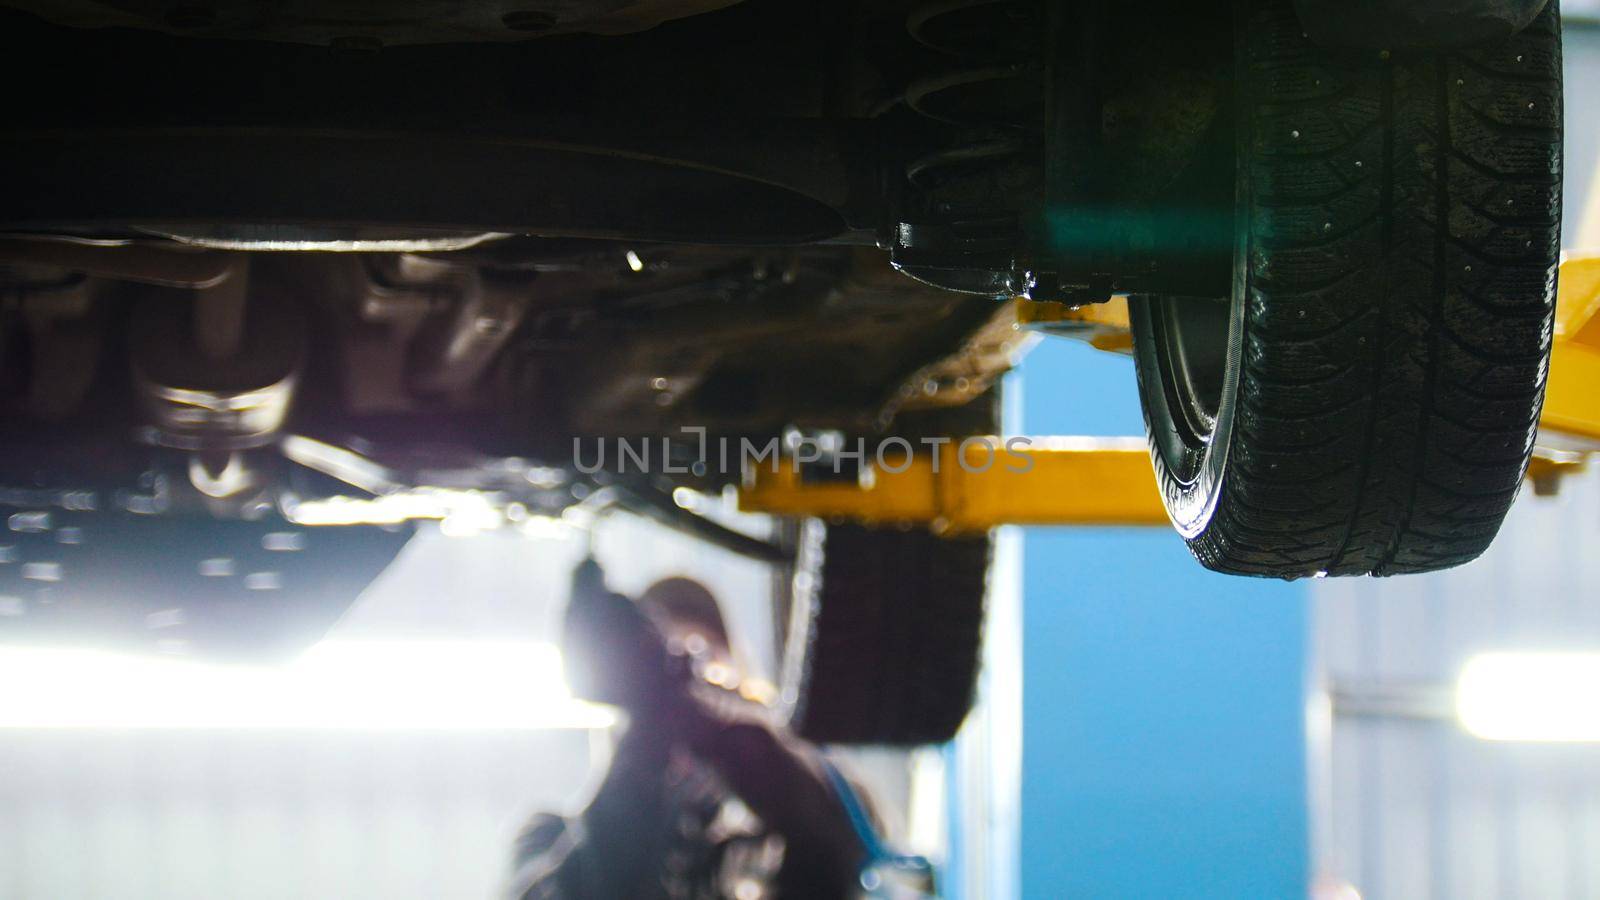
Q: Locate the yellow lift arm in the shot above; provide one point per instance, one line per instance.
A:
(1054, 481)
(1108, 481)
(1572, 395)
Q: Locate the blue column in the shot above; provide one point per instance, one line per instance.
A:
(1163, 705)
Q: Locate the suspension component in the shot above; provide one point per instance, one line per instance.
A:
(215, 380)
(962, 225)
(1067, 174)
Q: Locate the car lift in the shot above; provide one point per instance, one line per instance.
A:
(1108, 481)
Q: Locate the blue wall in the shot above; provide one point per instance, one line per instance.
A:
(1163, 716)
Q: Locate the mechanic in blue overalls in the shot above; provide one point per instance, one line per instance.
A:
(703, 797)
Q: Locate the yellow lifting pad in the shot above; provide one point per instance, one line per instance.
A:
(1572, 395)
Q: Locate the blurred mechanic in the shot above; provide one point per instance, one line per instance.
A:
(703, 799)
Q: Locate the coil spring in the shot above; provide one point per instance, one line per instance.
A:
(995, 89)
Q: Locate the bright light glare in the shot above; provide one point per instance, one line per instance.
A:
(337, 684)
(461, 513)
(1531, 696)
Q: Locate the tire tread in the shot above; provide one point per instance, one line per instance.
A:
(1413, 337)
(895, 637)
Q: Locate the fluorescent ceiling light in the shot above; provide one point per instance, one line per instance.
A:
(337, 684)
(1531, 696)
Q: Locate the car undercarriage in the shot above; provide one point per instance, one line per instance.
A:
(258, 257)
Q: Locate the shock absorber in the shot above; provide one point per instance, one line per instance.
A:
(962, 225)
(1079, 151)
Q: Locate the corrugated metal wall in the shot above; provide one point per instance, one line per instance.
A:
(1411, 808)
(159, 814)
(242, 814)
(1420, 809)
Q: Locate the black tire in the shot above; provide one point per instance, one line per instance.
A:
(885, 635)
(1366, 402)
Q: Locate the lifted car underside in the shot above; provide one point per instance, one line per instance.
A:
(265, 253)
(494, 246)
